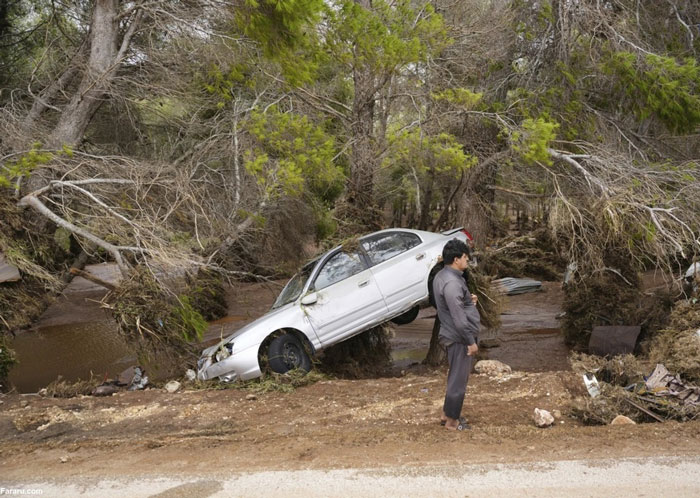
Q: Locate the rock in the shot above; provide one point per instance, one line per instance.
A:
(543, 418)
(251, 397)
(134, 378)
(622, 420)
(492, 367)
(106, 390)
(556, 413)
(24, 403)
(489, 343)
(173, 386)
(190, 374)
(64, 459)
(43, 392)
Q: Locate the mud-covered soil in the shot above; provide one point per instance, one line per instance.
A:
(333, 423)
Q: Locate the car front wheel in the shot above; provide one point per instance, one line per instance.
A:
(287, 353)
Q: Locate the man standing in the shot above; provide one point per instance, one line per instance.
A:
(459, 328)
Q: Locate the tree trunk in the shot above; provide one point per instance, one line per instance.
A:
(48, 94)
(436, 353)
(361, 181)
(104, 59)
(362, 160)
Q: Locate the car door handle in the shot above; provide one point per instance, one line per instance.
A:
(363, 283)
(420, 256)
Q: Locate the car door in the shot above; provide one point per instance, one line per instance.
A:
(347, 298)
(400, 266)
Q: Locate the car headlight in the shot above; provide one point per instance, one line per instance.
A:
(224, 351)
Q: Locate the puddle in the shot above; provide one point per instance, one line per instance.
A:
(72, 351)
(76, 350)
(405, 357)
(229, 319)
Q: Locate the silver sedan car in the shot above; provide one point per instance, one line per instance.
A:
(347, 290)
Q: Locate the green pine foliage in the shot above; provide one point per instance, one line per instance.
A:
(657, 85)
(293, 157)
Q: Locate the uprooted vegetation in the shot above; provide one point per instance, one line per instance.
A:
(612, 295)
(533, 256)
(678, 345)
(365, 355)
(160, 321)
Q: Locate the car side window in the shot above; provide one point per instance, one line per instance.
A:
(339, 267)
(385, 246)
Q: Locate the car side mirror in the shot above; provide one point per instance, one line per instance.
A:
(309, 299)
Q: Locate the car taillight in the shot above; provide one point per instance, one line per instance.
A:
(469, 236)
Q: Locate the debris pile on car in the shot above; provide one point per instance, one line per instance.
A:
(365, 355)
(619, 386)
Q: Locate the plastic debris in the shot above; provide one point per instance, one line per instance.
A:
(591, 384)
(512, 286)
(139, 381)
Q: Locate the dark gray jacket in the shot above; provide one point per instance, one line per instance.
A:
(459, 318)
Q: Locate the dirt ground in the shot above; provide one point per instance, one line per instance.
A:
(333, 423)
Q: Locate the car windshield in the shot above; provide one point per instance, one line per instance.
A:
(294, 287)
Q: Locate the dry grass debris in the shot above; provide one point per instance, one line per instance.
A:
(678, 345)
(365, 355)
(623, 392)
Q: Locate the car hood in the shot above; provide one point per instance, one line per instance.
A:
(267, 323)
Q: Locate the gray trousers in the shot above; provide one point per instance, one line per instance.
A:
(457, 378)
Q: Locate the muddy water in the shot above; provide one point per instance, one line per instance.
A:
(73, 351)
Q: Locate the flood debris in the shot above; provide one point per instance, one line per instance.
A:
(138, 381)
(61, 388)
(661, 382)
(513, 286)
(526, 256)
(172, 387)
(365, 355)
(677, 346)
(591, 384)
(628, 386)
(610, 298)
(613, 339)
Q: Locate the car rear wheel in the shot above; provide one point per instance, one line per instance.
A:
(406, 317)
(287, 353)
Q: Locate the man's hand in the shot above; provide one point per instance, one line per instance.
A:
(472, 349)
(475, 298)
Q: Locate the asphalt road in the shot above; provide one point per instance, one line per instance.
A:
(667, 476)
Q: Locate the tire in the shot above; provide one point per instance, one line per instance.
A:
(287, 353)
(406, 317)
(431, 277)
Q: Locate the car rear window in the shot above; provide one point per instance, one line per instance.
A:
(385, 246)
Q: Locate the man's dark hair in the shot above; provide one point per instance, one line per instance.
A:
(454, 249)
